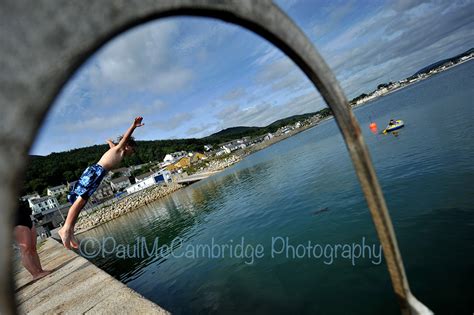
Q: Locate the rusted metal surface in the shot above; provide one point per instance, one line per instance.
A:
(43, 42)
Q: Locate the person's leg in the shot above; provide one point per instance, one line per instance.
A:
(35, 252)
(67, 231)
(28, 251)
(36, 257)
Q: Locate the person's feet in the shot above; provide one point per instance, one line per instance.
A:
(68, 239)
(42, 274)
(74, 243)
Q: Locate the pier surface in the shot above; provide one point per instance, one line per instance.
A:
(76, 286)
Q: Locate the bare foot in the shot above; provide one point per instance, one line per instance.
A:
(65, 235)
(74, 243)
(42, 274)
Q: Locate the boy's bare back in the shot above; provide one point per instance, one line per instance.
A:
(112, 158)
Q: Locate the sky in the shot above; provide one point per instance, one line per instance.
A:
(190, 77)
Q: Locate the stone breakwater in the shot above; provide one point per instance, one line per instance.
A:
(127, 204)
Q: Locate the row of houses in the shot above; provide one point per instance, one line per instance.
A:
(176, 162)
(234, 145)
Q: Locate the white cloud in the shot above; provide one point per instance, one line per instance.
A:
(172, 80)
(200, 131)
(406, 5)
(142, 59)
(98, 123)
(110, 121)
(266, 53)
(174, 122)
(336, 13)
(234, 94)
(282, 74)
(265, 113)
(204, 33)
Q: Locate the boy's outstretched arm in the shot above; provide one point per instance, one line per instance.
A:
(136, 123)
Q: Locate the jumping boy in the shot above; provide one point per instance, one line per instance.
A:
(91, 178)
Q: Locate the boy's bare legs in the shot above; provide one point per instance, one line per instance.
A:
(67, 231)
(26, 240)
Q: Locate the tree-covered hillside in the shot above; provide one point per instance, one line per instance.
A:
(441, 62)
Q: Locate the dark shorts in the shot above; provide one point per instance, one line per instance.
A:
(22, 217)
(88, 183)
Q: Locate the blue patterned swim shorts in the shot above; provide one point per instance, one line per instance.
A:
(88, 183)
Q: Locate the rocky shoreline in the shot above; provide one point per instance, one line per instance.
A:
(128, 204)
(220, 165)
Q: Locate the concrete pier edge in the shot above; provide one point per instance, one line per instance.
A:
(76, 286)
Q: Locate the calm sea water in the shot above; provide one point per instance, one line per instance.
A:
(427, 176)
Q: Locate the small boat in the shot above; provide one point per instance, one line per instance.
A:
(397, 125)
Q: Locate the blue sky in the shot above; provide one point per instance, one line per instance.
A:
(191, 77)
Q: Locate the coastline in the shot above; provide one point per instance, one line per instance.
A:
(136, 201)
(410, 84)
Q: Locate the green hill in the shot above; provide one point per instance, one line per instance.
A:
(441, 62)
(231, 134)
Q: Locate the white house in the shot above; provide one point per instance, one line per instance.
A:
(173, 157)
(56, 191)
(124, 171)
(120, 183)
(221, 152)
(162, 176)
(284, 130)
(268, 136)
(141, 177)
(231, 146)
(39, 205)
(28, 197)
(137, 167)
(139, 186)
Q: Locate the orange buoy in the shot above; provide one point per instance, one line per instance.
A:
(373, 127)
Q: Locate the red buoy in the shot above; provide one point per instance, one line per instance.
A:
(373, 127)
